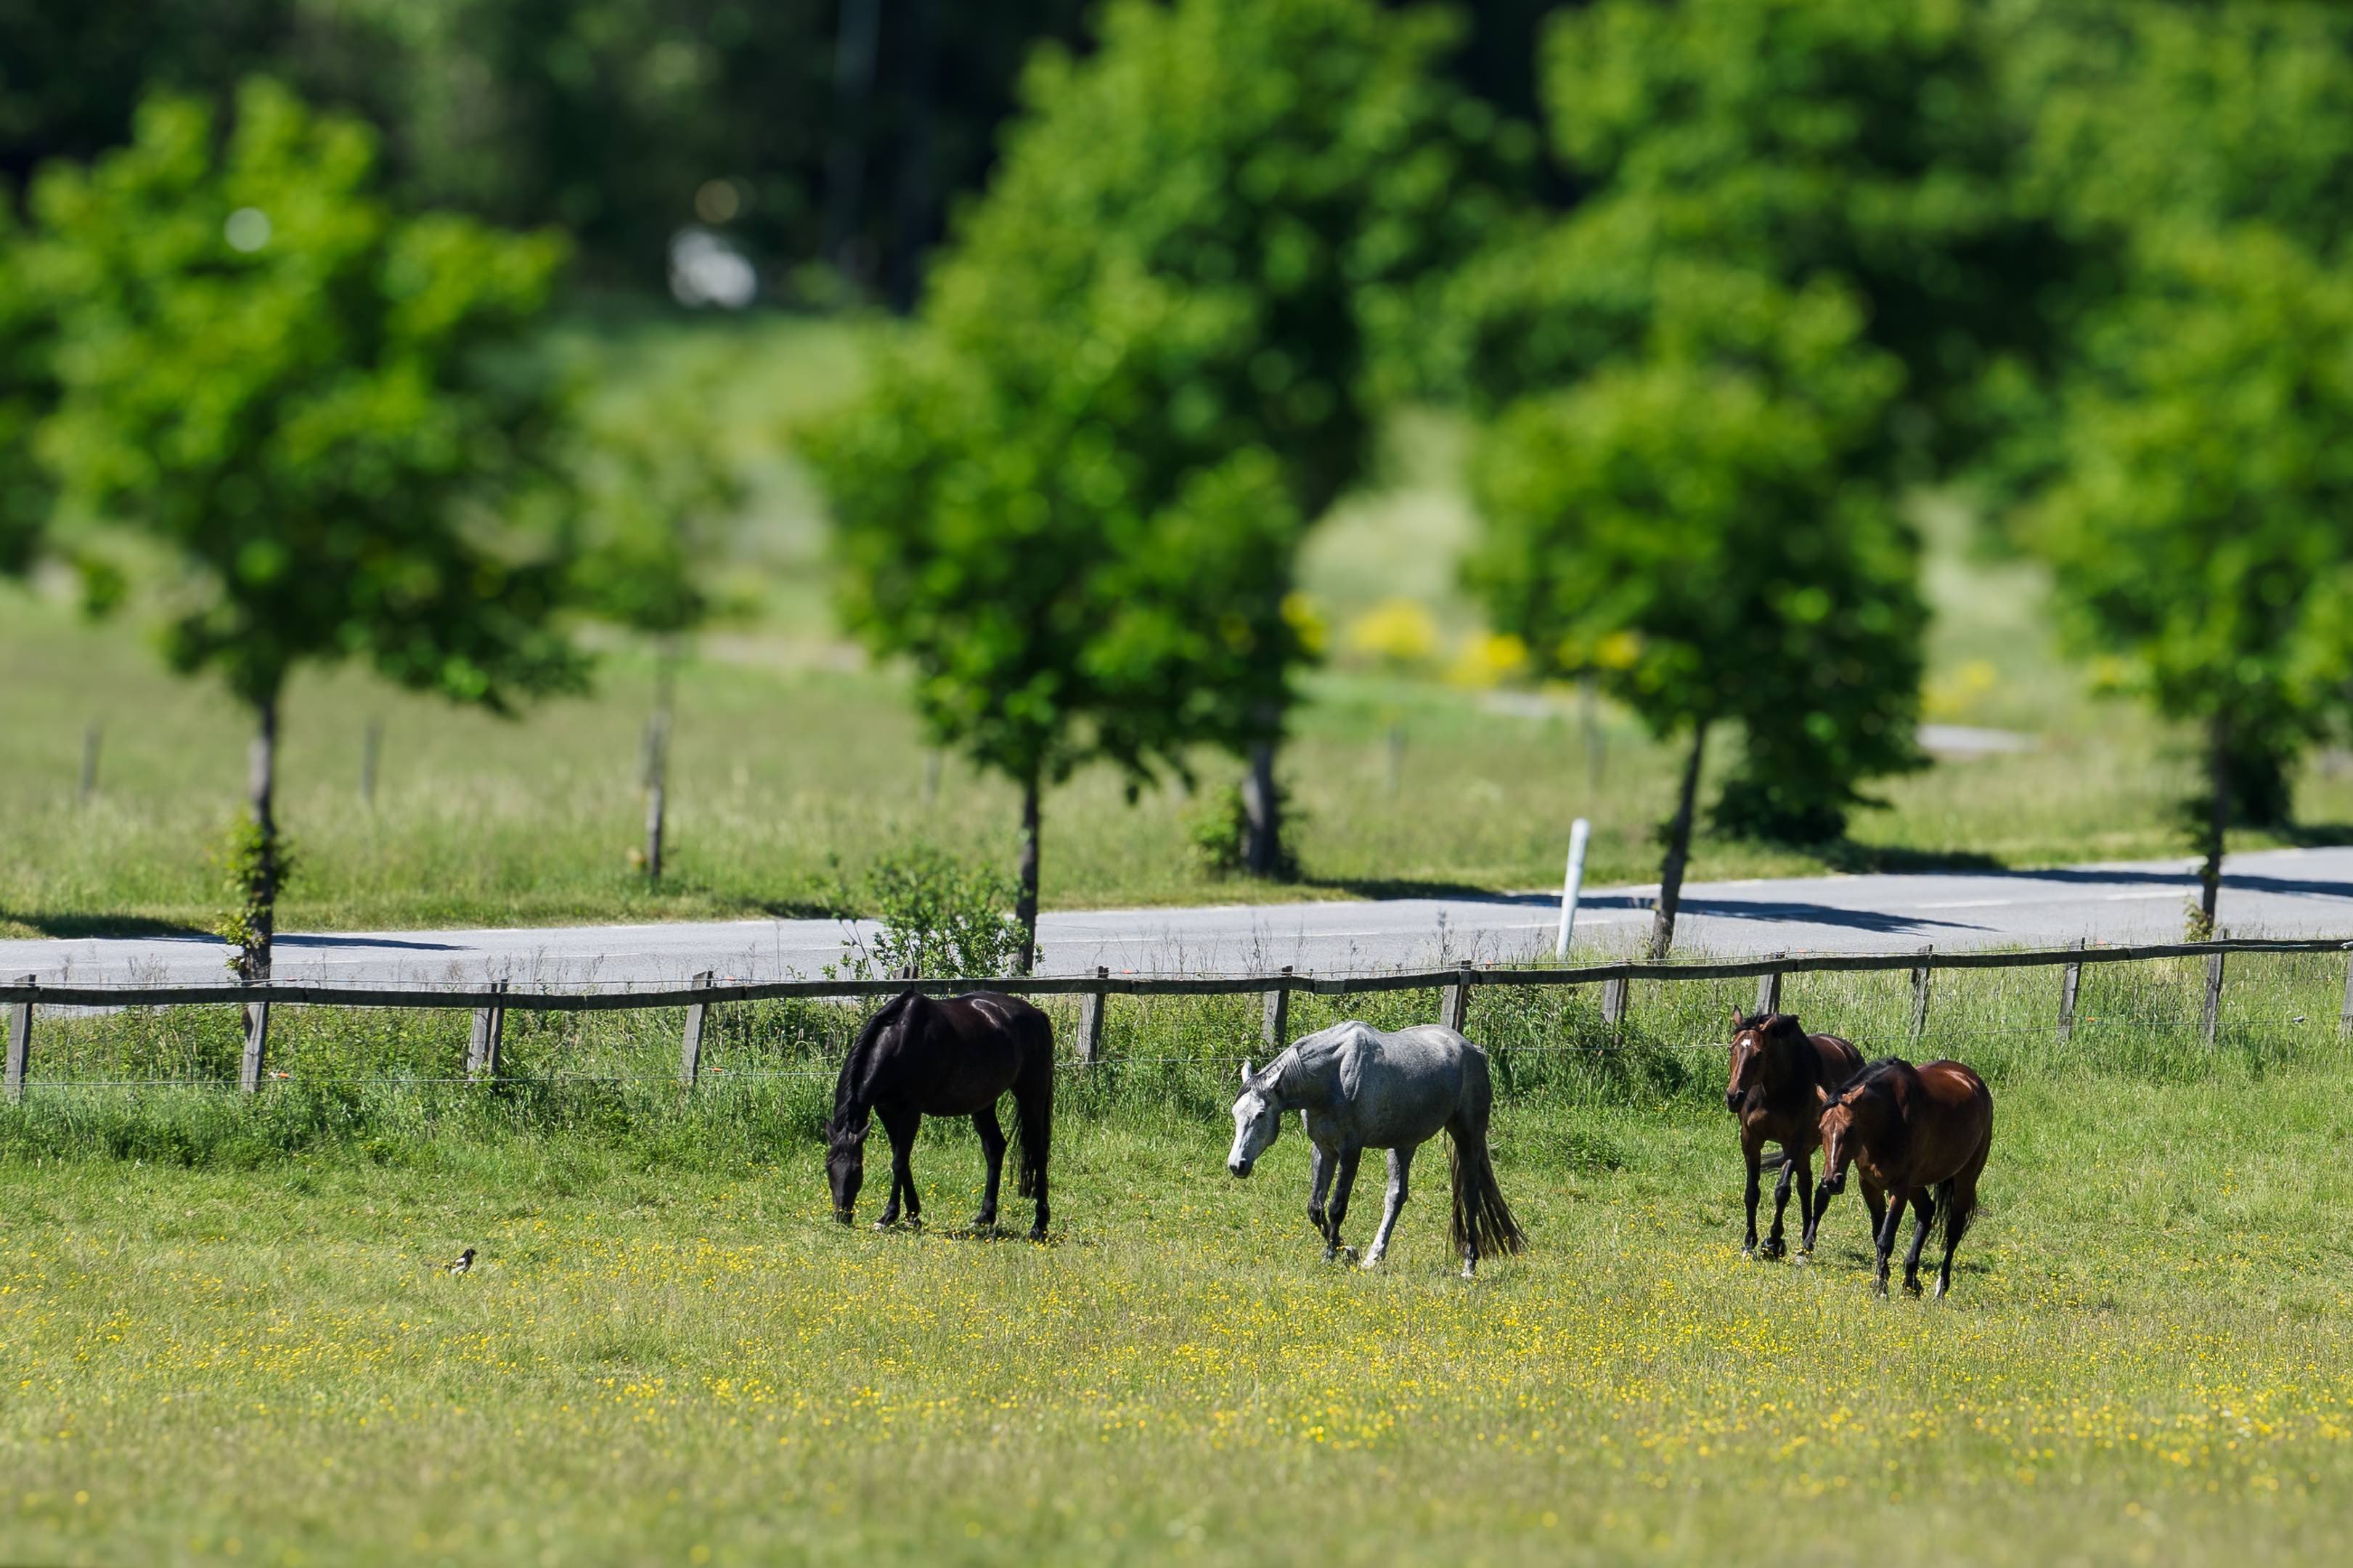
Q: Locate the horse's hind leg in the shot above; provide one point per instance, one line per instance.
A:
(1807, 1215)
(992, 1149)
(1923, 1215)
(1401, 1167)
(1319, 1188)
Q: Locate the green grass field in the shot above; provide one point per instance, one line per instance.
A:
(234, 1345)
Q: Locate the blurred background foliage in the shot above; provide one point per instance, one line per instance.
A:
(1066, 352)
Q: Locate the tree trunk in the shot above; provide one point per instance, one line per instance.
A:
(658, 758)
(1261, 815)
(911, 230)
(1679, 832)
(259, 876)
(857, 33)
(2218, 823)
(1025, 903)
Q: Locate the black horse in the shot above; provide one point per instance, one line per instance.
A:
(920, 1057)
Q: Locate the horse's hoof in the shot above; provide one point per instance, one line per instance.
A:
(1348, 1253)
(1468, 1273)
(1803, 1255)
(1037, 1233)
(1771, 1251)
(1941, 1288)
(983, 1229)
(1371, 1263)
(1911, 1287)
(886, 1224)
(1747, 1255)
(1879, 1289)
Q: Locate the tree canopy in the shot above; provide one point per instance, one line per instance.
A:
(1150, 359)
(292, 398)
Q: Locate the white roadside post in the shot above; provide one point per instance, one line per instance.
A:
(1577, 833)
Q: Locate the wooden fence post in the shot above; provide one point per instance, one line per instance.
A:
(1920, 982)
(1613, 1001)
(1276, 1033)
(690, 1051)
(490, 1032)
(1768, 990)
(20, 1041)
(1091, 1020)
(2210, 1024)
(2344, 1016)
(2070, 984)
(1456, 1010)
(256, 1046)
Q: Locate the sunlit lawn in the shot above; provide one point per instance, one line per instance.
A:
(2145, 1358)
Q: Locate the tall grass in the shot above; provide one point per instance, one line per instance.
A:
(389, 1086)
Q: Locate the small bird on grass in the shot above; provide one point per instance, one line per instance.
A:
(465, 1261)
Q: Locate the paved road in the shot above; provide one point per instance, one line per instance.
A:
(2298, 892)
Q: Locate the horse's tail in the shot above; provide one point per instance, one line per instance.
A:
(849, 1104)
(1033, 1104)
(1481, 1218)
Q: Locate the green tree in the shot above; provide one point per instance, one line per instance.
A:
(658, 497)
(1169, 301)
(1695, 527)
(315, 407)
(2199, 535)
(1053, 612)
(1861, 141)
(2145, 115)
(27, 391)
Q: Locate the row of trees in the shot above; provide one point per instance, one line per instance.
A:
(236, 380)
(840, 131)
(1821, 252)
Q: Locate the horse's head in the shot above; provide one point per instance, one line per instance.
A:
(1257, 1121)
(1756, 1038)
(845, 1168)
(1850, 1118)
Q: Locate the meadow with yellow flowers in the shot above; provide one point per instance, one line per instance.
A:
(667, 1351)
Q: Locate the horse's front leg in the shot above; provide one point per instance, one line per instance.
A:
(1884, 1244)
(1342, 1179)
(902, 1126)
(1924, 1213)
(1319, 1186)
(1774, 1246)
(1751, 1148)
(992, 1149)
(1808, 1213)
(1401, 1167)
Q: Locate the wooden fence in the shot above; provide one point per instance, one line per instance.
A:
(491, 1002)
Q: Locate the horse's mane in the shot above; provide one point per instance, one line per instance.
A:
(1872, 1077)
(849, 1107)
(1804, 1063)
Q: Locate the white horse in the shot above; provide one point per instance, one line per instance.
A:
(1359, 1089)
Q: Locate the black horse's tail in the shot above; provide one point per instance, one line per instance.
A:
(1033, 1105)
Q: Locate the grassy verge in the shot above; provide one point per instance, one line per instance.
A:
(669, 1354)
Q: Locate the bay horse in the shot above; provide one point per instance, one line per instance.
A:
(1357, 1088)
(1779, 1074)
(1920, 1135)
(922, 1057)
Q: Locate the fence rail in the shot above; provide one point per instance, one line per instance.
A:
(491, 1002)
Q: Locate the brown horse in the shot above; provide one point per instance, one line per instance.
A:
(920, 1057)
(1911, 1132)
(1779, 1074)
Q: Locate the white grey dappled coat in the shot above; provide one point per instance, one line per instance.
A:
(1358, 1087)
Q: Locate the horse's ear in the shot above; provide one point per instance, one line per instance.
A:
(1246, 1073)
(1736, 1019)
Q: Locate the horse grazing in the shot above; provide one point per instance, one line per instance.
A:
(920, 1057)
(1779, 1074)
(1359, 1088)
(1910, 1132)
